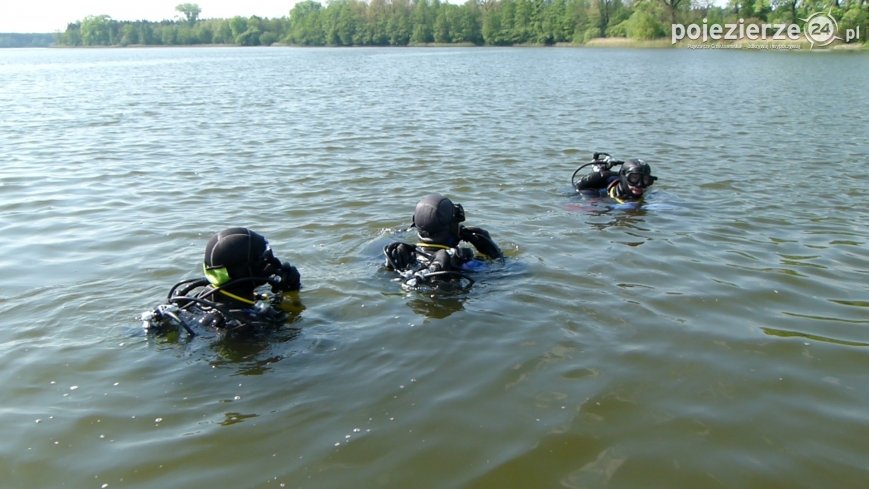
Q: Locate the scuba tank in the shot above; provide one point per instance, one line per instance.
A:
(192, 305)
(600, 163)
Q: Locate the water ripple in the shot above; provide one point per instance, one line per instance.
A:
(712, 336)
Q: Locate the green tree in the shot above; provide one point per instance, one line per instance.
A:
(521, 21)
(72, 35)
(129, 35)
(238, 26)
(468, 23)
(398, 26)
(376, 19)
(306, 27)
(202, 33)
(340, 25)
(421, 21)
(441, 27)
(645, 22)
(222, 33)
(556, 22)
(599, 16)
(581, 19)
(184, 34)
(190, 11)
(789, 6)
(96, 30)
(856, 17)
(498, 20)
(673, 7)
(168, 35)
(251, 36)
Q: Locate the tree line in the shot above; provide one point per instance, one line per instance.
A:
(26, 40)
(476, 22)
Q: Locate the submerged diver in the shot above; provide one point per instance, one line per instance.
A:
(628, 184)
(237, 262)
(437, 254)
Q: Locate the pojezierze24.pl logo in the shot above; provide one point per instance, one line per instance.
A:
(820, 29)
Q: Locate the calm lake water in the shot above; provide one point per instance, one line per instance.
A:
(715, 337)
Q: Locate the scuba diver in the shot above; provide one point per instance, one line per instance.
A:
(628, 184)
(237, 262)
(437, 255)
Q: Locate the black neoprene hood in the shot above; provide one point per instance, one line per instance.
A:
(437, 220)
(239, 250)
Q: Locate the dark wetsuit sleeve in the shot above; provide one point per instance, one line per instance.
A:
(481, 240)
(595, 181)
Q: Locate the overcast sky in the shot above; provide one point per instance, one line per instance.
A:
(54, 15)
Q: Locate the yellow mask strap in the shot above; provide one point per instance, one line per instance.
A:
(238, 298)
(433, 245)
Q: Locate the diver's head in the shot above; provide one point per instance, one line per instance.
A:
(238, 253)
(634, 177)
(437, 220)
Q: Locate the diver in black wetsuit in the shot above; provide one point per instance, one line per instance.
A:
(437, 254)
(237, 262)
(628, 184)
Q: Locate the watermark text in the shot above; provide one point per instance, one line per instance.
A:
(820, 29)
(735, 32)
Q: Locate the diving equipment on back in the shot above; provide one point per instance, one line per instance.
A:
(629, 183)
(437, 256)
(245, 287)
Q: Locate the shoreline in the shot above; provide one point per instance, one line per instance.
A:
(742, 44)
(596, 43)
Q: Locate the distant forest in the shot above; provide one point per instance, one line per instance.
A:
(26, 40)
(476, 22)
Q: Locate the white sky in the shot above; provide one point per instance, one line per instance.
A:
(54, 15)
